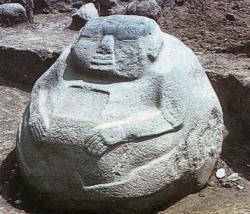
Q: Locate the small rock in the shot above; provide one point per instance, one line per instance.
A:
(84, 14)
(18, 201)
(148, 8)
(202, 194)
(230, 17)
(240, 187)
(12, 13)
(220, 173)
(234, 177)
(211, 183)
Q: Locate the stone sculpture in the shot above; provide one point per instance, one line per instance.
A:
(124, 121)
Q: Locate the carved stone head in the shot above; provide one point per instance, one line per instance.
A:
(117, 46)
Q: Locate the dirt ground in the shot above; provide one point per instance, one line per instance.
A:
(219, 33)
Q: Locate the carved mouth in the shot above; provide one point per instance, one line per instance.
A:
(103, 62)
(103, 57)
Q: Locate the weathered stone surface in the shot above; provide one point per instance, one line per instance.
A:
(148, 8)
(12, 13)
(126, 125)
(82, 15)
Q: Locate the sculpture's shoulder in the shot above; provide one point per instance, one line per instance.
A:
(176, 58)
(175, 47)
(55, 73)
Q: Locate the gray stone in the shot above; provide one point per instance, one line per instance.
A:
(124, 121)
(148, 8)
(221, 173)
(12, 13)
(82, 15)
(240, 187)
(234, 177)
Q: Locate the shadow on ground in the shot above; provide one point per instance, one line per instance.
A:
(12, 185)
(23, 87)
(236, 153)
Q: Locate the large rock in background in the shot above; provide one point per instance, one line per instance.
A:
(154, 134)
(148, 8)
(11, 14)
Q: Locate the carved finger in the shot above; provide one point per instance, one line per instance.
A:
(98, 147)
(41, 127)
(102, 150)
(34, 132)
(39, 131)
(92, 146)
(95, 143)
(90, 140)
(42, 131)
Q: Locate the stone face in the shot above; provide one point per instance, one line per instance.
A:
(12, 13)
(148, 8)
(123, 122)
(82, 15)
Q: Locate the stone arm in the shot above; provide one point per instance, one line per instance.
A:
(144, 124)
(168, 116)
(39, 121)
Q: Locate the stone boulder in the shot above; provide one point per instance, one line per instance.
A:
(148, 8)
(82, 15)
(11, 14)
(108, 3)
(125, 121)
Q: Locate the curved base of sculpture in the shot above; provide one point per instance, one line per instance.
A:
(160, 181)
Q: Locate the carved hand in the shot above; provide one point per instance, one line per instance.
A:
(98, 143)
(38, 129)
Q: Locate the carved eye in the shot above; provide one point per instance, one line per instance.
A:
(129, 40)
(89, 38)
(151, 58)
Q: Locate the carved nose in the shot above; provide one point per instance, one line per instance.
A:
(107, 45)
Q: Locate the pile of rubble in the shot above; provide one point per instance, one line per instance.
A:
(13, 13)
(229, 179)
